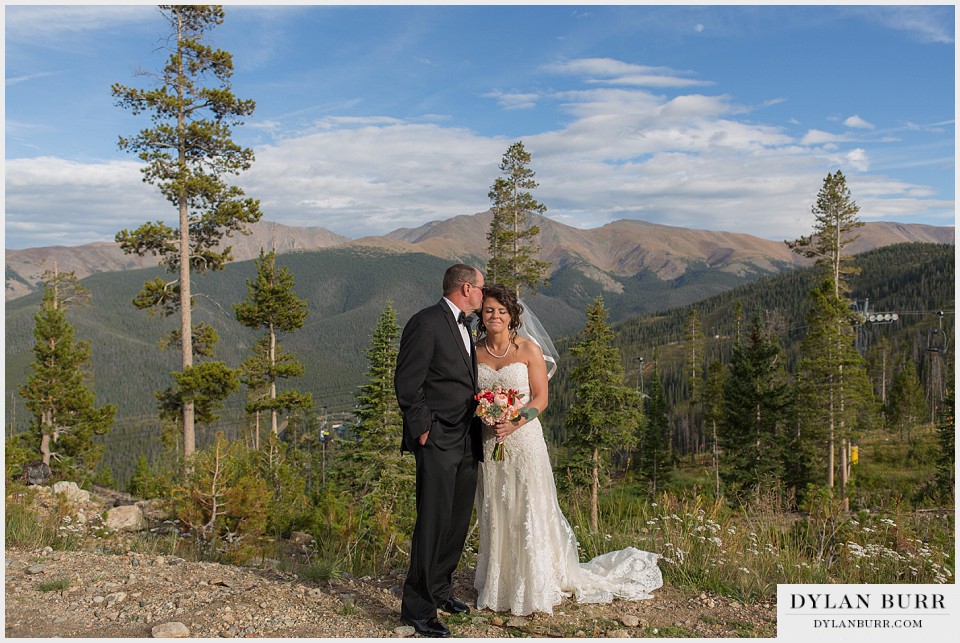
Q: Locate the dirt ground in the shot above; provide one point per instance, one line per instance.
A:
(105, 590)
(94, 595)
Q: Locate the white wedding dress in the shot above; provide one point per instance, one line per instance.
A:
(527, 558)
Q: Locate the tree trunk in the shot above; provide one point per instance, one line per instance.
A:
(844, 458)
(883, 381)
(716, 462)
(595, 493)
(830, 458)
(516, 237)
(45, 448)
(844, 450)
(273, 383)
(186, 328)
(656, 461)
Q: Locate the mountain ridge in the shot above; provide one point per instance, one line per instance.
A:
(624, 247)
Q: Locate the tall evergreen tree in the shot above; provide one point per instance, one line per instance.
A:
(606, 411)
(655, 456)
(833, 388)
(835, 224)
(514, 251)
(58, 390)
(188, 154)
(756, 403)
(373, 460)
(371, 467)
(694, 346)
(272, 305)
(945, 479)
(713, 414)
(836, 220)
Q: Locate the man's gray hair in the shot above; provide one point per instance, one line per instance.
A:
(458, 274)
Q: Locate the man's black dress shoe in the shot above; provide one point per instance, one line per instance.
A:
(427, 627)
(454, 605)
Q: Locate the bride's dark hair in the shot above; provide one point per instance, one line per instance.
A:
(508, 298)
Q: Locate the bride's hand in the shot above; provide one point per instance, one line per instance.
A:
(503, 429)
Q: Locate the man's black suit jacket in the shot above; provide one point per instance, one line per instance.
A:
(435, 382)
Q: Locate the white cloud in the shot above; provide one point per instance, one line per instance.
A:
(690, 160)
(819, 137)
(857, 159)
(25, 78)
(52, 201)
(49, 25)
(929, 24)
(514, 100)
(369, 180)
(608, 71)
(857, 122)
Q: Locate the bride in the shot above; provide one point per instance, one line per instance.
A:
(527, 558)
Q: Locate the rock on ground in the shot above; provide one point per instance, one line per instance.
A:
(172, 630)
(71, 491)
(125, 518)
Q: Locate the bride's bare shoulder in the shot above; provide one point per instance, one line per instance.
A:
(528, 348)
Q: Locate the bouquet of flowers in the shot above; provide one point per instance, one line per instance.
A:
(495, 405)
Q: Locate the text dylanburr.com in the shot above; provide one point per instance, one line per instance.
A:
(870, 613)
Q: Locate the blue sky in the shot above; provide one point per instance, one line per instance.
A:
(370, 119)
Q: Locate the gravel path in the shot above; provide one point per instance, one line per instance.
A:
(128, 595)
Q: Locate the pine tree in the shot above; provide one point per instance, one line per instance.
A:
(756, 406)
(713, 414)
(143, 482)
(374, 459)
(57, 391)
(605, 413)
(513, 250)
(104, 477)
(908, 405)
(187, 154)
(223, 501)
(272, 305)
(204, 386)
(694, 345)
(945, 478)
(281, 465)
(836, 221)
(834, 391)
(655, 456)
(371, 467)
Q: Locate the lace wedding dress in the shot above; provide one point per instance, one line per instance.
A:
(527, 559)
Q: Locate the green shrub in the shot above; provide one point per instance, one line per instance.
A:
(54, 585)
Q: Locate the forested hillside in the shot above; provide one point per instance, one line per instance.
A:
(914, 280)
(347, 290)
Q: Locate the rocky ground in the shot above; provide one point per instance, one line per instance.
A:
(90, 593)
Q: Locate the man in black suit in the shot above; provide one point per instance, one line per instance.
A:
(436, 379)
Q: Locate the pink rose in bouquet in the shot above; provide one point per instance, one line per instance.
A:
(496, 405)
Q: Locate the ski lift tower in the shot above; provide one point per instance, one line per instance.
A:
(937, 346)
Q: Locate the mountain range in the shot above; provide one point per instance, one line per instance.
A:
(645, 273)
(624, 248)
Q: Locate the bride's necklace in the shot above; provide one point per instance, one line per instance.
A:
(486, 347)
